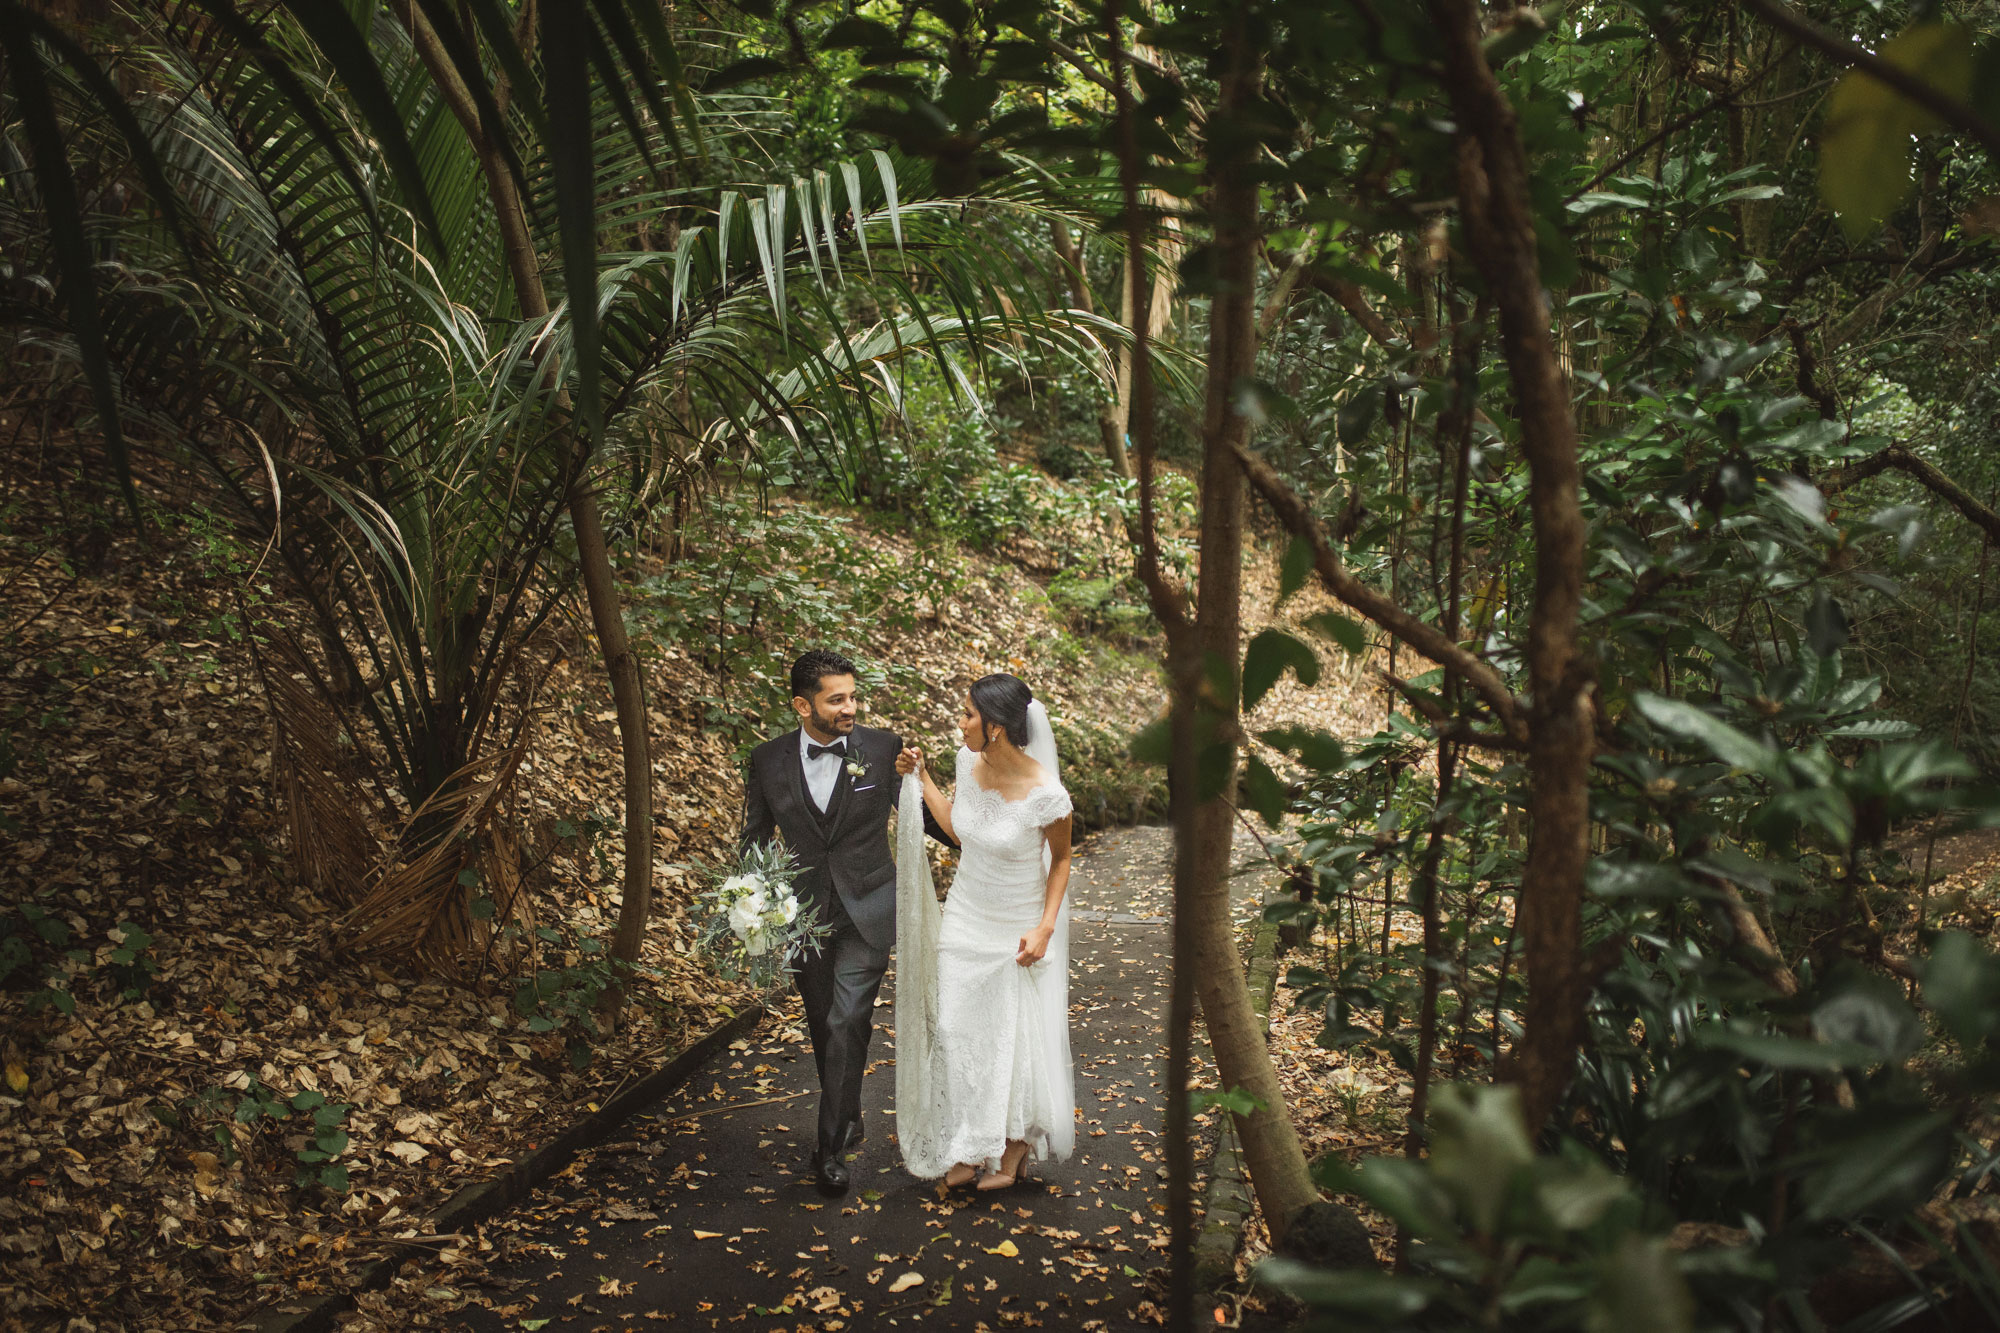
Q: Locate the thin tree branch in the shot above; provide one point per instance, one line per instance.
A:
(1287, 283)
(1423, 637)
(1755, 946)
(1898, 458)
(1473, 738)
(1168, 600)
(1838, 49)
(1077, 61)
(1111, 413)
(1080, 62)
(1716, 103)
(1348, 297)
(1808, 372)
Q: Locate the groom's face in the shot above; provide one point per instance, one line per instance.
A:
(830, 712)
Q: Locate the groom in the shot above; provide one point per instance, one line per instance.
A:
(828, 790)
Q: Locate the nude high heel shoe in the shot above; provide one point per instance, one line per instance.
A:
(1010, 1172)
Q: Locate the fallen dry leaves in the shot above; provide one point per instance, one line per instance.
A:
(140, 791)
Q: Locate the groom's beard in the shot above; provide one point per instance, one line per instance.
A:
(832, 725)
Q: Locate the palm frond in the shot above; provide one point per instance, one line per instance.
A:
(23, 65)
(324, 799)
(420, 907)
(350, 337)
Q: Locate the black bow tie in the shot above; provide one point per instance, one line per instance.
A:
(815, 751)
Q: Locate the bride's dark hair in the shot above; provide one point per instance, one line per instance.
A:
(1002, 700)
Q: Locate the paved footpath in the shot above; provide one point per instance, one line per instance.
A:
(704, 1217)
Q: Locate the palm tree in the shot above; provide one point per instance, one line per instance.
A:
(332, 306)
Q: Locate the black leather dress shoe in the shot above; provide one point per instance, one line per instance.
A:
(856, 1133)
(830, 1175)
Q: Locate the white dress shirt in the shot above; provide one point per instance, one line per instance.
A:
(821, 773)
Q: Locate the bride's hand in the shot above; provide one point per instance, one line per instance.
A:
(911, 760)
(1034, 945)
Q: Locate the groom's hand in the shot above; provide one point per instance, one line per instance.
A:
(909, 761)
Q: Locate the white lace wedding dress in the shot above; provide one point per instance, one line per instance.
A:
(982, 1043)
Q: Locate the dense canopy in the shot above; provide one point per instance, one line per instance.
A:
(1607, 386)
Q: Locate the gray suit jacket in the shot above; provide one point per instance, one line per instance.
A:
(848, 854)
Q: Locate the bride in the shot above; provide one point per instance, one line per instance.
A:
(983, 1074)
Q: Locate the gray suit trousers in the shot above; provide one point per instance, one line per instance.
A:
(838, 985)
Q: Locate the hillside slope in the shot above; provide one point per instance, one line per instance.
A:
(185, 1019)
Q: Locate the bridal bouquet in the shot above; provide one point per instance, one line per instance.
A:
(749, 919)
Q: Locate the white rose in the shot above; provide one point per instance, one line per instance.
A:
(745, 914)
(756, 941)
(789, 907)
(738, 885)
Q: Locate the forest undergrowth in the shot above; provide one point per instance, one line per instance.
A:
(213, 1099)
(1353, 1102)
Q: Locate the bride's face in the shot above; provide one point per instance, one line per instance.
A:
(971, 726)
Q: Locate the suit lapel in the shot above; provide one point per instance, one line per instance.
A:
(844, 785)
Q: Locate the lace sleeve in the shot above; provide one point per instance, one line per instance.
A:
(1047, 805)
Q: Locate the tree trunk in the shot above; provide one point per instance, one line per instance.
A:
(1113, 412)
(1899, 458)
(600, 582)
(1498, 219)
(1168, 607)
(628, 696)
(1204, 828)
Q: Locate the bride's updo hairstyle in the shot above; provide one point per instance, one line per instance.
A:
(1002, 701)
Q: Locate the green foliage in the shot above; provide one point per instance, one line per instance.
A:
(244, 1113)
(565, 990)
(325, 1141)
(1771, 774)
(1270, 655)
(1548, 1241)
(1236, 1101)
(1108, 784)
(39, 961)
(937, 473)
(754, 582)
(1864, 166)
(131, 965)
(924, 467)
(1105, 607)
(1704, 1085)
(591, 833)
(32, 941)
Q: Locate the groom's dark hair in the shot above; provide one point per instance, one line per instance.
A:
(815, 666)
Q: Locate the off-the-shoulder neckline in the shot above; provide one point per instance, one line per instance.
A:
(1050, 785)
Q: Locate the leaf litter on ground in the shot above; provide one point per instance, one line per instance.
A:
(135, 1197)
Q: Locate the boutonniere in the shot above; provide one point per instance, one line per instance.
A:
(856, 768)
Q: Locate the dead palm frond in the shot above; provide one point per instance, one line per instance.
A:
(424, 906)
(322, 786)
